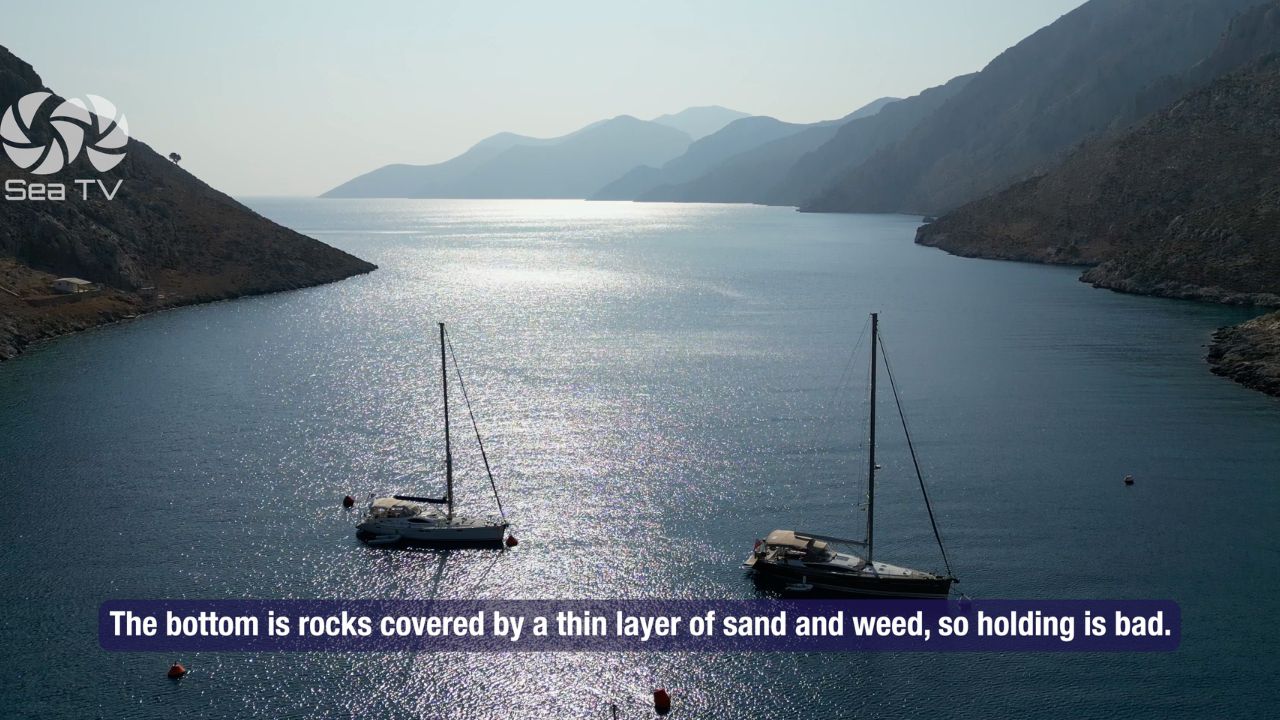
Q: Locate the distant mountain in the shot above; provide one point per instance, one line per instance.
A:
(515, 166)
(703, 155)
(765, 150)
(166, 239)
(749, 176)
(854, 142)
(1075, 78)
(872, 108)
(402, 180)
(699, 122)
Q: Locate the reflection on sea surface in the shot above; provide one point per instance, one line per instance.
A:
(658, 386)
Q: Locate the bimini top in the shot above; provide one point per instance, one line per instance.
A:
(788, 538)
(394, 508)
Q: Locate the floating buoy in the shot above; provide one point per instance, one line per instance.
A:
(512, 541)
(176, 671)
(661, 701)
(1128, 479)
(348, 501)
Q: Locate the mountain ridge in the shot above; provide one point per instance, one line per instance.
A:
(701, 120)
(762, 142)
(574, 165)
(751, 175)
(702, 155)
(1072, 79)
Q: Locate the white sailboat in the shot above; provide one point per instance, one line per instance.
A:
(410, 519)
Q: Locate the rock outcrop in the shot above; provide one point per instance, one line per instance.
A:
(1249, 353)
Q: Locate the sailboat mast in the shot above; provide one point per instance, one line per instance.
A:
(871, 454)
(448, 450)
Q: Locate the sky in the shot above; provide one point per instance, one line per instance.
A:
(282, 97)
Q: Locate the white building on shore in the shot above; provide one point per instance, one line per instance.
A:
(72, 285)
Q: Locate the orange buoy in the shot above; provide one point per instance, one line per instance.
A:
(512, 541)
(348, 501)
(176, 671)
(662, 701)
(1128, 479)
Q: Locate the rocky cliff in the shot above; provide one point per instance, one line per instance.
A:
(164, 239)
(1185, 205)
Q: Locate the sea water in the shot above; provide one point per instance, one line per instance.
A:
(657, 386)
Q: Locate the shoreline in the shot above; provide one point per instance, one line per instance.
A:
(27, 328)
(1247, 353)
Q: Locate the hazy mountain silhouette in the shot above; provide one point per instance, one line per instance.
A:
(514, 166)
(854, 142)
(1075, 78)
(765, 152)
(872, 108)
(399, 179)
(699, 122)
(710, 151)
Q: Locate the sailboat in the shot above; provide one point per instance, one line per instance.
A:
(414, 519)
(803, 562)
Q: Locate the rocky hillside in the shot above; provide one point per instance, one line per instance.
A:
(165, 239)
(1185, 205)
(1088, 72)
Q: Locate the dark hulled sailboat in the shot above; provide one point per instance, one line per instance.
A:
(807, 563)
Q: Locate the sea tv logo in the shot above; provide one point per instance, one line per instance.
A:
(96, 129)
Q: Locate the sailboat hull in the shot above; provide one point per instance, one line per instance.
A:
(835, 584)
(443, 534)
(411, 520)
(845, 579)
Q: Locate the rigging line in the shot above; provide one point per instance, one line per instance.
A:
(474, 425)
(919, 476)
(840, 383)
